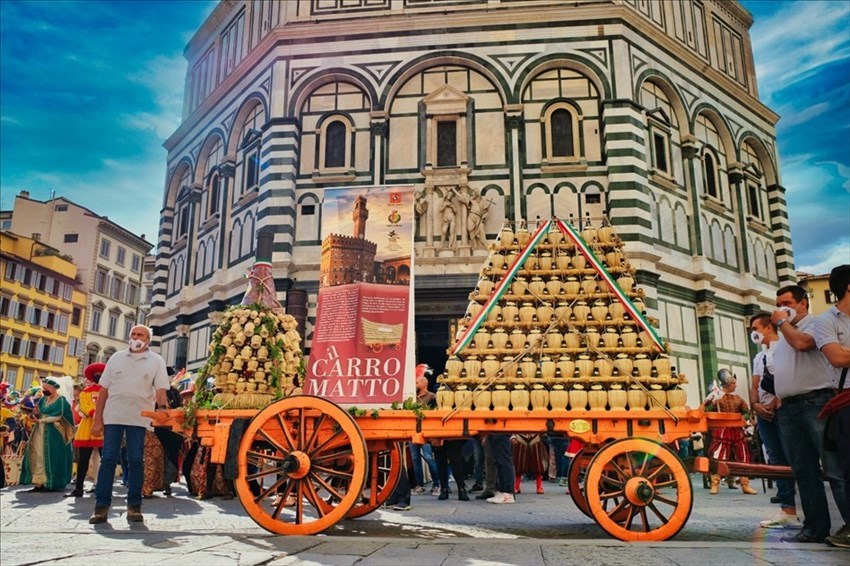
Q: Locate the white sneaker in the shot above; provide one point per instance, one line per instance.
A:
(782, 521)
(501, 498)
(418, 490)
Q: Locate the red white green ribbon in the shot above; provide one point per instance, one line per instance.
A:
(624, 299)
(502, 286)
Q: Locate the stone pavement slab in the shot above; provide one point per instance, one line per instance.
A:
(540, 530)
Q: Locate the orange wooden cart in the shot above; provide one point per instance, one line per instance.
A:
(336, 466)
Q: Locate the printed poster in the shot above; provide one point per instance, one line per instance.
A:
(363, 341)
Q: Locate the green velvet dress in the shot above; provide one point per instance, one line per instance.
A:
(49, 455)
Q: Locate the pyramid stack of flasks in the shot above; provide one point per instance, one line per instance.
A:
(558, 338)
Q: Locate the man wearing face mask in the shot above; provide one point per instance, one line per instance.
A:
(804, 382)
(832, 334)
(132, 380)
(764, 402)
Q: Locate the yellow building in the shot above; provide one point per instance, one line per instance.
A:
(820, 297)
(42, 308)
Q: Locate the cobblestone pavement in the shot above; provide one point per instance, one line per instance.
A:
(543, 530)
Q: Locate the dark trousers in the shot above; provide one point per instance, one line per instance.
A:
(774, 443)
(451, 452)
(83, 462)
(803, 432)
(171, 444)
(504, 460)
(842, 433)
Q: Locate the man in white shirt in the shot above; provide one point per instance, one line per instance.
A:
(764, 402)
(131, 381)
(832, 334)
(803, 381)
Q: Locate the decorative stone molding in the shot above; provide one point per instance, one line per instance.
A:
(380, 129)
(183, 329)
(216, 317)
(227, 169)
(705, 309)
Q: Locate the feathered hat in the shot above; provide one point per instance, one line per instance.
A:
(94, 371)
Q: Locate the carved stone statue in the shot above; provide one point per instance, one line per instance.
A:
(420, 206)
(476, 219)
(448, 215)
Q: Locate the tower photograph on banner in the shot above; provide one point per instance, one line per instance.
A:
(363, 342)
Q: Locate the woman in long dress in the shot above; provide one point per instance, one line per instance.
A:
(49, 456)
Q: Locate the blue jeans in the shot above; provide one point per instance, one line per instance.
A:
(558, 444)
(503, 458)
(774, 444)
(803, 432)
(418, 452)
(112, 435)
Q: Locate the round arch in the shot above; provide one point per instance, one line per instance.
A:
(173, 185)
(672, 93)
(248, 105)
(203, 156)
(438, 59)
(571, 61)
(322, 76)
(768, 165)
(720, 123)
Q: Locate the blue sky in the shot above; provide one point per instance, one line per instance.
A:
(90, 90)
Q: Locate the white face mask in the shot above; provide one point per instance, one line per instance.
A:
(136, 345)
(790, 310)
(757, 337)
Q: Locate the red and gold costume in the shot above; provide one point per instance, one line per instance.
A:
(88, 401)
(729, 443)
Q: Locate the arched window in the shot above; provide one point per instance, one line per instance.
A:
(335, 135)
(561, 133)
(561, 122)
(210, 201)
(709, 165)
(214, 193)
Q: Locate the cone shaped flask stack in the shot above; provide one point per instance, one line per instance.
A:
(255, 352)
(548, 320)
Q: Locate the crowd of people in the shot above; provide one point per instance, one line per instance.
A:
(799, 401)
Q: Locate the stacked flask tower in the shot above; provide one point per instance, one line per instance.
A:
(556, 321)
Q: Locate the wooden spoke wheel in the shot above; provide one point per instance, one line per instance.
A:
(384, 471)
(575, 479)
(302, 466)
(650, 485)
(578, 490)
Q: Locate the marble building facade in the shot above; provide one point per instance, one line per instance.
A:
(493, 110)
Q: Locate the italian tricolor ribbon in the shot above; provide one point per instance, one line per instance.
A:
(579, 242)
(501, 287)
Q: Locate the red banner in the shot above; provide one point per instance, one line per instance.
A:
(358, 349)
(362, 348)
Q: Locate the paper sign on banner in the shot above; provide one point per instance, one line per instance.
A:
(363, 341)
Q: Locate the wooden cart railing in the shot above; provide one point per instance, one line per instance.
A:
(310, 453)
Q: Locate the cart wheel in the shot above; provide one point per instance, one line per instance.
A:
(577, 484)
(575, 479)
(306, 460)
(652, 486)
(376, 348)
(384, 471)
(398, 346)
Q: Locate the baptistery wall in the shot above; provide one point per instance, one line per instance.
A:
(494, 110)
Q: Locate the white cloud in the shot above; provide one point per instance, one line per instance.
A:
(797, 40)
(836, 254)
(163, 78)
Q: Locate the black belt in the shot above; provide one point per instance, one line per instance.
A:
(806, 396)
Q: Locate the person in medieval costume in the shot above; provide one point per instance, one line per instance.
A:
(49, 457)
(530, 457)
(85, 442)
(728, 443)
